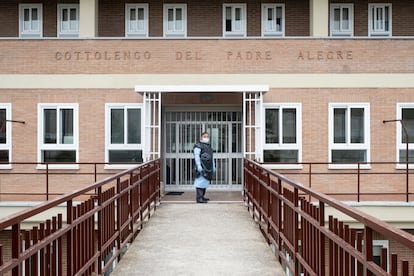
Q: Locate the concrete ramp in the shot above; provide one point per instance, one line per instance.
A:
(200, 239)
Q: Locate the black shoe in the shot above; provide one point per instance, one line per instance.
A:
(202, 201)
(206, 199)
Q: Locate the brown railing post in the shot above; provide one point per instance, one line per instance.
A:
(95, 172)
(310, 179)
(368, 248)
(268, 206)
(279, 215)
(16, 246)
(405, 268)
(359, 183)
(131, 203)
(321, 239)
(119, 221)
(384, 253)
(296, 230)
(100, 229)
(69, 238)
(47, 181)
(60, 246)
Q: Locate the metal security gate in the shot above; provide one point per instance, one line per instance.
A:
(183, 129)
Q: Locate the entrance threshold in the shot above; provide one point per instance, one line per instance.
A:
(214, 196)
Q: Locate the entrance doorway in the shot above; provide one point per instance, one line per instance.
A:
(183, 129)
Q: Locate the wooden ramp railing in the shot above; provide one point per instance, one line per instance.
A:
(93, 234)
(292, 218)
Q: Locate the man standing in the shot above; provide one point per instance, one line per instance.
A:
(205, 166)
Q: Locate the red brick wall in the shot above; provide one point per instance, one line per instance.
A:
(9, 19)
(402, 16)
(297, 18)
(111, 20)
(205, 17)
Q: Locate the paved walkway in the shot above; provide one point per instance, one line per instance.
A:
(199, 239)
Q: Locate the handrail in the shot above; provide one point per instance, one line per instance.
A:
(358, 190)
(356, 169)
(48, 171)
(25, 214)
(96, 231)
(296, 227)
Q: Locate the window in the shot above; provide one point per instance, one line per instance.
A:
(377, 246)
(349, 133)
(405, 111)
(234, 17)
(30, 20)
(68, 20)
(273, 20)
(282, 133)
(136, 24)
(58, 133)
(342, 20)
(5, 135)
(123, 133)
(379, 19)
(175, 20)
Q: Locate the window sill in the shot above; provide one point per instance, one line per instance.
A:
(379, 35)
(273, 35)
(68, 35)
(283, 166)
(6, 167)
(348, 167)
(58, 167)
(344, 34)
(404, 167)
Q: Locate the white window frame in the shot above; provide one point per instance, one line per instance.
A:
(243, 31)
(125, 146)
(36, 33)
(68, 33)
(348, 145)
(372, 30)
(42, 146)
(175, 33)
(379, 243)
(399, 144)
(8, 129)
(265, 31)
(284, 146)
(341, 32)
(136, 33)
(384, 244)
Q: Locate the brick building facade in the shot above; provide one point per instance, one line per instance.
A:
(285, 82)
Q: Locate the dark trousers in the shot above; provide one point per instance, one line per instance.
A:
(200, 192)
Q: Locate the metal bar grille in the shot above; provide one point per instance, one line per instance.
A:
(183, 130)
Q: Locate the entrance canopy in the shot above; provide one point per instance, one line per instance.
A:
(252, 114)
(201, 88)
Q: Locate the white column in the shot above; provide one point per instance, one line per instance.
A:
(151, 117)
(252, 122)
(319, 18)
(88, 18)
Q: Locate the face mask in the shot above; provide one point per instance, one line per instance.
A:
(205, 140)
